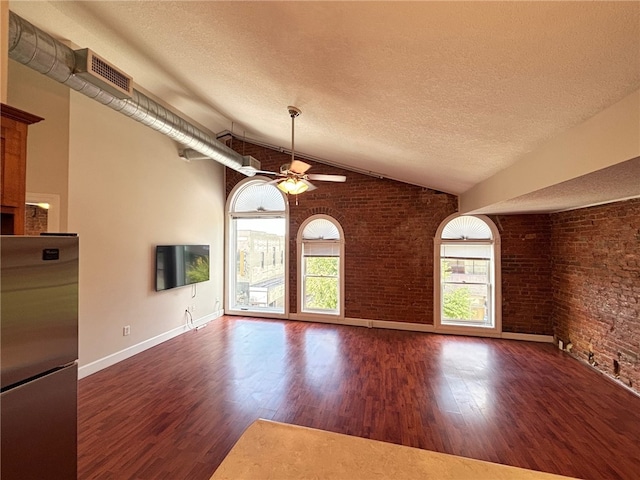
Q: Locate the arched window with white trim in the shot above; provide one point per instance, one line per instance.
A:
(257, 232)
(320, 266)
(467, 276)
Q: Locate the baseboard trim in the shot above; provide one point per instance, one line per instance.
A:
(109, 360)
(527, 337)
(414, 327)
(333, 320)
(411, 327)
(361, 322)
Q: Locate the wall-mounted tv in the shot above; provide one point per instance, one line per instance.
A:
(180, 265)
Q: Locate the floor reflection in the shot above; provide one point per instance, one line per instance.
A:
(466, 385)
(256, 357)
(274, 365)
(322, 358)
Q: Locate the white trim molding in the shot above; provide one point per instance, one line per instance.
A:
(415, 327)
(528, 337)
(411, 327)
(331, 319)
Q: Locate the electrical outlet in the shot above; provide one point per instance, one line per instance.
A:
(193, 308)
(126, 330)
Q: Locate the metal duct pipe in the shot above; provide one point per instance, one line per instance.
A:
(38, 50)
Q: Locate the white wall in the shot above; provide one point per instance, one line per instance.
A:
(127, 191)
(48, 140)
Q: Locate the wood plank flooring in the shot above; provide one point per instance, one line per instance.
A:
(174, 411)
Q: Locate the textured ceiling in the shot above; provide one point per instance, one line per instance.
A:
(438, 94)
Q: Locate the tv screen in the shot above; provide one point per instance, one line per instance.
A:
(180, 265)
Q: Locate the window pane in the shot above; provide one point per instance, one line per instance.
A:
(320, 283)
(460, 270)
(322, 266)
(259, 284)
(321, 293)
(465, 303)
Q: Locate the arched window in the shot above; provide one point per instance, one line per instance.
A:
(256, 249)
(467, 290)
(321, 266)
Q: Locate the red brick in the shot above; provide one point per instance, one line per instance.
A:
(389, 229)
(596, 284)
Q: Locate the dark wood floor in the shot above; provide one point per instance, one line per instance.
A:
(174, 411)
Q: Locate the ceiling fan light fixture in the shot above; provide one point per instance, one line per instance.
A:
(292, 186)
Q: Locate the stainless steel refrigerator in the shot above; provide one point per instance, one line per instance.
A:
(39, 351)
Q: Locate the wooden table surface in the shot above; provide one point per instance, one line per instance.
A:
(279, 451)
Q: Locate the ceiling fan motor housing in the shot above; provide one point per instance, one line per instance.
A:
(294, 111)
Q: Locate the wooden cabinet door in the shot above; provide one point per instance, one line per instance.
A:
(14, 146)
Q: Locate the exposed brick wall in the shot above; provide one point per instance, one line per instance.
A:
(35, 220)
(596, 284)
(389, 228)
(526, 273)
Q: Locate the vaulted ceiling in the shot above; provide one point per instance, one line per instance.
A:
(446, 95)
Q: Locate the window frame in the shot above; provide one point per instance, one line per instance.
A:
(310, 313)
(495, 281)
(230, 244)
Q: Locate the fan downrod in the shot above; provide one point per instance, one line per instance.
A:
(294, 111)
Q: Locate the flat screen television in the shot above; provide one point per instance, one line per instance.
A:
(180, 265)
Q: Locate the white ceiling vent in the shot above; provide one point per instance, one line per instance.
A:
(98, 71)
(249, 165)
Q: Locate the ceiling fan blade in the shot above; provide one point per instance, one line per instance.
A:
(327, 178)
(310, 185)
(267, 172)
(299, 167)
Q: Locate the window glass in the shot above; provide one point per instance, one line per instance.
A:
(321, 283)
(257, 231)
(321, 248)
(467, 273)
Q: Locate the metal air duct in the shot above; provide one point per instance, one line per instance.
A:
(38, 50)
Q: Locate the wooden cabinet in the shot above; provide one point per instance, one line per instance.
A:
(14, 167)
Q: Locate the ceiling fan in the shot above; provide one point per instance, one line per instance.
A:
(293, 178)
